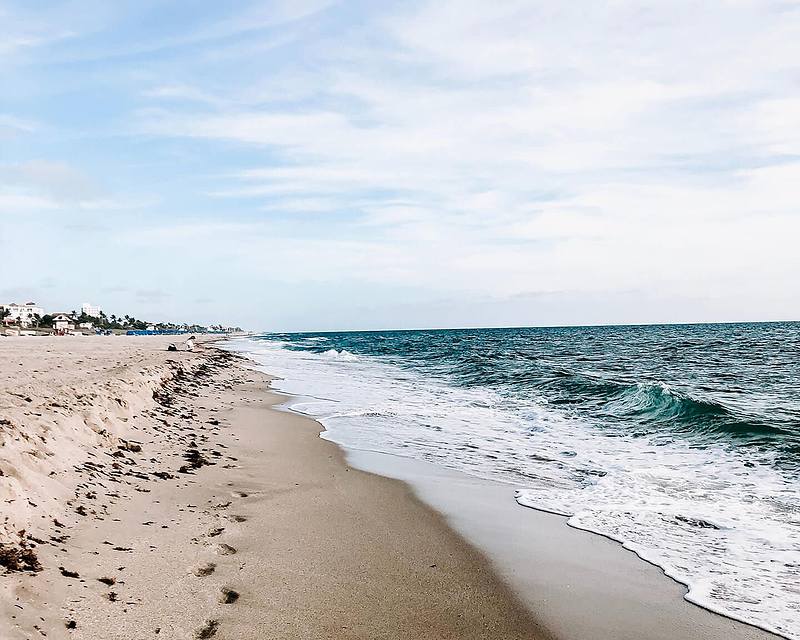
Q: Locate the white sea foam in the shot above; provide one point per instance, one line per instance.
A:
(344, 354)
(725, 525)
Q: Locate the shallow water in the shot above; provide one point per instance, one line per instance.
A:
(681, 442)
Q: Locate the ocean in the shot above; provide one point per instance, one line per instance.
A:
(682, 442)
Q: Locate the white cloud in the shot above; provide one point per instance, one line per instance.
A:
(520, 147)
(775, 124)
(11, 126)
(13, 202)
(58, 179)
(23, 30)
(41, 186)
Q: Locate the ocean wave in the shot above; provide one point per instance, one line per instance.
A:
(657, 402)
(656, 437)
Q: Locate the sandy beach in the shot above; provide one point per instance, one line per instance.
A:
(155, 494)
(268, 534)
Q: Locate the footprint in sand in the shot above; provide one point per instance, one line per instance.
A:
(234, 518)
(205, 570)
(225, 549)
(228, 595)
(208, 630)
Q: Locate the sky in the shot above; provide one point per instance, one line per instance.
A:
(322, 165)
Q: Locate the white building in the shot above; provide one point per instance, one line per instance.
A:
(63, 322)
(22, 313)
(91, 310)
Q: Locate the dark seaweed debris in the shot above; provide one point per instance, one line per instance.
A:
(208, 630)
(19, 556)
(697, 522)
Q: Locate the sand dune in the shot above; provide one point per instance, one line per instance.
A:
(66, 402)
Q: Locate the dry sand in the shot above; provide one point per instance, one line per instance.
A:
(105, 450)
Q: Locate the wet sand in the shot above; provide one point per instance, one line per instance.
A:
(581, 585)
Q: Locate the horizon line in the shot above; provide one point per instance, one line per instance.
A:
(555, 326)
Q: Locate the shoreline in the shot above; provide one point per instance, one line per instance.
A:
(647, 456)
(616, 579)
(587, 586)
(272, 534)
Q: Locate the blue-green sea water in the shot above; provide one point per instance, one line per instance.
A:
(680, 441)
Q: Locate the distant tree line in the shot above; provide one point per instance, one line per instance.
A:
(110, 322)
(122, 323)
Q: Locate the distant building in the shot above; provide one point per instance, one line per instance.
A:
(63, 322)
(22, 314)
(91, 310)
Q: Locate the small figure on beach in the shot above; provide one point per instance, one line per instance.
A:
(188, 345)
